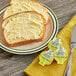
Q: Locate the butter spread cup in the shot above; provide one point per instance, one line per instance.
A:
(53, 45)
(46, 58)
(60, 55)
(56, 51)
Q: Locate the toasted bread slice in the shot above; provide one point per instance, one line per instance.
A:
(25, 5)
(24, 27)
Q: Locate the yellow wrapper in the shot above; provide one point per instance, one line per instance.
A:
(35, 69)
(46, 58)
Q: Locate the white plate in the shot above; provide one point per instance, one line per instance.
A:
(36, 46)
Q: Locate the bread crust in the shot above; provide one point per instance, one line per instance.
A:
(4, 12)
(27, 41)
(22, 42)
(35, 2)
(4, 18)
(23, 12)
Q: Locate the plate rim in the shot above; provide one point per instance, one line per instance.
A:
(15, 51)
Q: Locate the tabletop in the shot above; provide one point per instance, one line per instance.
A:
(13, 65)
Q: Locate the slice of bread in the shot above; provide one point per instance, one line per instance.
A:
(24, 27)
(25, 5)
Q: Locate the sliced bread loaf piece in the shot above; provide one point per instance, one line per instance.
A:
(24, 27)
(25, 5)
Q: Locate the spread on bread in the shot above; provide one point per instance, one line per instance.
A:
(24, 27)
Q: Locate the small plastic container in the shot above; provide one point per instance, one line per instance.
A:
(60, 55)
(53, 45)
(46, 58)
